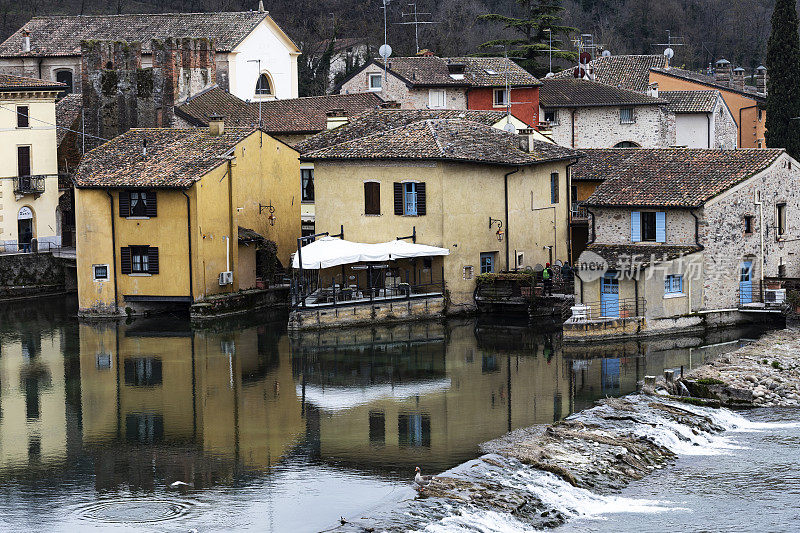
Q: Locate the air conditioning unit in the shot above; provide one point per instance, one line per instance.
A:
(774, 296)
(226, 278)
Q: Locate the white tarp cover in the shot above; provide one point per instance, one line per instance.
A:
(328, 252)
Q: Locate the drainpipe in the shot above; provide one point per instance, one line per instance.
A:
(592, 236)
(740, 122)
(189, 234)
(760, 205)
(569, 211)
(505, 186)
(230, 212)
(708, 120)
(113, 247)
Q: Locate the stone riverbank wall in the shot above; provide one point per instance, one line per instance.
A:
(30, 275)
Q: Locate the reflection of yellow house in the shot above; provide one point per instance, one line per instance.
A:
(496, 200)
(33, 428)
(29, 173)
(172, 215)
(228, 394)
(435, 402)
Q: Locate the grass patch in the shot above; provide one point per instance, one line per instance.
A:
(776, 365)
(709, 381)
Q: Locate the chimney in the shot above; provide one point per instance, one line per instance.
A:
(761, 79)
(261, 6)
(26, 41)
(738, 79)
(723, 71)
(526, 140)
(216, 124)
(336, 118)
(652, 90)
(390, 104)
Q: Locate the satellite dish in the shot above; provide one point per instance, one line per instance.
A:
(385, 51)
(669, 52)
(510, 128)
(606, 53)
(584, 58)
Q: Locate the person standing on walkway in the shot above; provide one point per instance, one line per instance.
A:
(547, 279)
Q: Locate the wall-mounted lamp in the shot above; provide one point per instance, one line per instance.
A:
(499, 223)
(269, 207)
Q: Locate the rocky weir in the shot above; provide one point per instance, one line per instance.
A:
(542, 476)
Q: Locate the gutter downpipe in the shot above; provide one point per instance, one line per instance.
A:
(760, 203)
(230, 215)
(740, 121)
(708, 129)
(113, 248)
(569, 212)
(189, 234)
(505, 187)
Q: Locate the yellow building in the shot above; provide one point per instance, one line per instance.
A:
(28, 164)
(171, 215)
(496, 200)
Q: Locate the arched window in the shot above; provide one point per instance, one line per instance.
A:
(627, 144)
(263, 86)
(65, 76)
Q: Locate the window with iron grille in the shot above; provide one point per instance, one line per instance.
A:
(626, 115)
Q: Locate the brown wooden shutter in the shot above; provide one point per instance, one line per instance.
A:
(372, 198)
(398, 198)
(124, 203)
(421, 199)
(151, 209)
(23, 160)
(152, 260)
(125, 260)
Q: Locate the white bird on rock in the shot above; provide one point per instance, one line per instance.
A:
(420, 481)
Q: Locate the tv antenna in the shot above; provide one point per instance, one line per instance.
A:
(587, 49)
(550, 51)
(385, 50)
(669, 51)
(416, 22)
(509, 127)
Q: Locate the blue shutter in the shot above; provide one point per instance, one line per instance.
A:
(661, 226)
(636, 226)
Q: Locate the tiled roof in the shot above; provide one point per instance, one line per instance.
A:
(378, 120)
(446, 140)
(625, 72)
(690, 101)
(9, 83)
(572, 92)
(667, 177)
(176, 158)
(68, 109)
(293, 115)
(478, 71)
(710, 81)
(62, 35)
(248, 235)
(637, 256)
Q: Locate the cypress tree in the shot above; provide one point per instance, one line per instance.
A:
(783, 86)
(531, 41)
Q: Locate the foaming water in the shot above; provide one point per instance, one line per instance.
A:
(478, 521)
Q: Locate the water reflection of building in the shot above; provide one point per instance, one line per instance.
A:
(197, 403)
(410, 397)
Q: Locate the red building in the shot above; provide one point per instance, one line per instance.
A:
(524, 102)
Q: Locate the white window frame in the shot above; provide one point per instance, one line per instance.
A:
(94, 273)
(553, 122)
(371, 76)
(506, 97)
(431, 93)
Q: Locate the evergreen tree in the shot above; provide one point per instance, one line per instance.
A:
(783, 86)
(530, 41)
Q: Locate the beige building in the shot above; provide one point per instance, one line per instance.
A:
(496, 200)
(29, 188)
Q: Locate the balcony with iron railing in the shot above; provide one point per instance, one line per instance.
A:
(579, 213)
(610, 309)
(30, 184)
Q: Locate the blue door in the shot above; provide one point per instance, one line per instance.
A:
(746, 283)
(609, 296)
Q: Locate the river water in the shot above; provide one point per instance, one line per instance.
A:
(272, 433)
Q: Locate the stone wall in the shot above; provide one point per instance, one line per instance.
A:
(396, 89)
(613, 225)
(23, 275)
(600, 127)
(725, 129)
(367, 313)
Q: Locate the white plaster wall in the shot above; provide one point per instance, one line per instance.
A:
(599, 127)
(276, 58)
(691, 130)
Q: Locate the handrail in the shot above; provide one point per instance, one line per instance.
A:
(621, 308)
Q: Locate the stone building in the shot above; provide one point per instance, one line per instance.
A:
(588, 114)
(683, 232)
(702, 119)
(254, 58)
(430, 82)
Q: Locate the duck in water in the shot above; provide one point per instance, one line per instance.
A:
(420, 481)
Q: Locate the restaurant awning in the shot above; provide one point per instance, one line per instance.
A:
(329, 252)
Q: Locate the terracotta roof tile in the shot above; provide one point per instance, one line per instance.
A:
(292, 115)
(690, 101)
(625, 72)
(667, 177)
(16, 83)
(378, 120)
(478, 71)
(627, 256)
(445, 140)
(68, 109)
(62, 35)
(572, 92)
(710, 81)
(176, 158)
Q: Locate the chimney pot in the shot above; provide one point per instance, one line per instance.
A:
(723, 71)
(526, 139)
(26, 41)
(761, 79)
(216, 124)
(390, 104)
